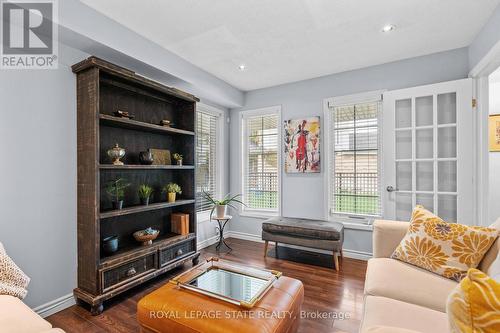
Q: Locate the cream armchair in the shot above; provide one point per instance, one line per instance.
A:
(401, 298)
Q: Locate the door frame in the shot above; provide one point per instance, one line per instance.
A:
(465, 186)
(480, 74)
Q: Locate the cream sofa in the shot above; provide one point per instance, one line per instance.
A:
(17, 317)
(401, 298)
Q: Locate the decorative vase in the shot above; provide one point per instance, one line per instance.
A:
(116, 153)
(146, 157)
(110, 245)
(221, 211)
(171, 197)
(117, 204)
(145, 201)
(179, 162)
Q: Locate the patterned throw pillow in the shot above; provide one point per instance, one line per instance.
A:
(13, 281)
(474, 305)
(447, 249)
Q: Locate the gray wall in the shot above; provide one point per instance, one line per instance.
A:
(485, 40)
(38, 175)
(303, 195)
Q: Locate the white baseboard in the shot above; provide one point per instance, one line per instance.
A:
(207, 242)
(354, 254)
(54, 306)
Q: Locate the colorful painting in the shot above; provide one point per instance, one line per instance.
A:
(494, 132)
(302, 145)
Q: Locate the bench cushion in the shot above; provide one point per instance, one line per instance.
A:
(307, 228)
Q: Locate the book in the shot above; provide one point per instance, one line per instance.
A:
(180, 223)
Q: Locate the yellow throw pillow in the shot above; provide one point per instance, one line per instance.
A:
(447, 249)
(474, 305)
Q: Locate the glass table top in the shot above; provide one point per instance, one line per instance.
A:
(229, 284)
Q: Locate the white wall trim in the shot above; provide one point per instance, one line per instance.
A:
(276, 109)
(209, 241)
(220, 153)
(257, 238)
(488, 64)
(55, 306)
(365, 97)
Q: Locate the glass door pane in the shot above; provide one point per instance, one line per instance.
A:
(424, 111)
(403, 113)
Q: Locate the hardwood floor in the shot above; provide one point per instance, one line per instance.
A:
(326, 291)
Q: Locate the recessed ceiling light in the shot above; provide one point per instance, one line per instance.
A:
(242, 67)
(388, 28)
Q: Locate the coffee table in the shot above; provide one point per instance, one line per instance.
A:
(173, 308)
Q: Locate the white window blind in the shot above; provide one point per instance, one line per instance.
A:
(354, 167)
(206, 164)
(261, 162)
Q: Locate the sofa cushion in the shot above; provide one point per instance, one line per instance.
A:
(16, 317)
(474, 305)
(395, 279)
(447, 249)
(304, 228)
(382, 311)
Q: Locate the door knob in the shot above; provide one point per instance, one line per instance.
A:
(390, 188)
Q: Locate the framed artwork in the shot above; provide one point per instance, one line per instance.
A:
(494, 132)
(301, 140)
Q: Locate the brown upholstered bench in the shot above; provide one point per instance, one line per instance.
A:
(316, 234)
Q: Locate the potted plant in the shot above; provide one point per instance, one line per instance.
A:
(116, 191)
(178, 158)
(171, 189)
(144, 193)
(220, 206)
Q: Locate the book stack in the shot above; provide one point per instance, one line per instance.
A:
(180, 223)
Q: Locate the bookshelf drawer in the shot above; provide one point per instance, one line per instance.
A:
(115, 277)
(174, 252)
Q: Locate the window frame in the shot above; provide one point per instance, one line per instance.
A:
(355, 221)
(220, 155)
(271, 110)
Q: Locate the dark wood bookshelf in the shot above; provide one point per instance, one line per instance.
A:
(102, 89)
(139, 125)
(145, 167)
(131, 251)
(144, 208)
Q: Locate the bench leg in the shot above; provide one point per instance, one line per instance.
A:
(276, 249)
(265, 248)
(336, 260)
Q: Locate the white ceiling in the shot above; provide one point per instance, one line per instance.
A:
(282, 41)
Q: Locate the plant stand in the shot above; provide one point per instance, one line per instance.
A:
(222, 221)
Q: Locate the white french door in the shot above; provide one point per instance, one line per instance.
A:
(427, 147)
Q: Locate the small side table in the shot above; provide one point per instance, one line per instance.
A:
(222, 221)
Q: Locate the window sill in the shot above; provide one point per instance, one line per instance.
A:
(258, 214)
(357, 226)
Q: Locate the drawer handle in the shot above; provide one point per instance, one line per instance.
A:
(179, 252)
(131, 272)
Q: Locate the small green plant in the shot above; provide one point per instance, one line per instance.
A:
(177, 157)
(145, 191)
(227, 200)
(172, 188)
(116, 189)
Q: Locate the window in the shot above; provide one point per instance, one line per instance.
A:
(261, 160)
(208, 164)
(354, 158)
